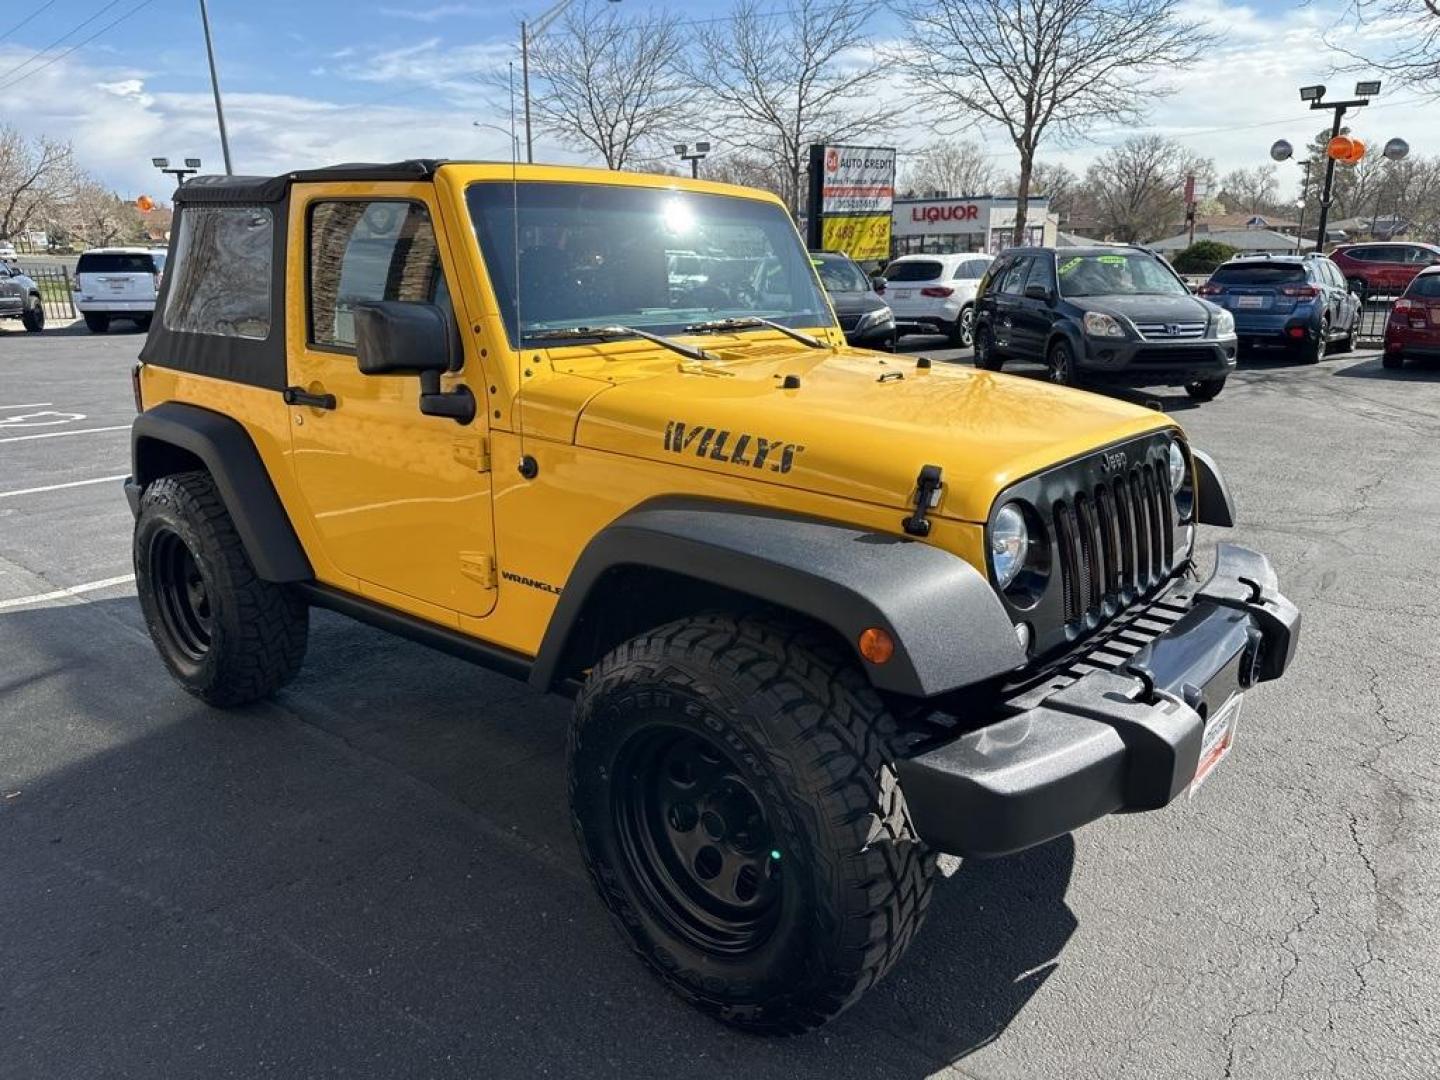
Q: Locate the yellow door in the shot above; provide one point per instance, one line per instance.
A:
(400, 500)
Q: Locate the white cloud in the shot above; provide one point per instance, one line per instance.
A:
(433, 14)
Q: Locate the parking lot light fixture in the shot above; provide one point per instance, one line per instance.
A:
(1312, 93)
(192, 163)
(180, 172)
(1315, 95)
(1367, 89)
(160, 162)
(684, 153)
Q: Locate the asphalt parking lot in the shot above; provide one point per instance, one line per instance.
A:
(374, 874)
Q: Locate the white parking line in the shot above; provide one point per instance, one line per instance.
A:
(66, 594)
(60, 487)
(61, 434)
(32, 405)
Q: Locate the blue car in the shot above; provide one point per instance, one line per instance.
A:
(1297, 302)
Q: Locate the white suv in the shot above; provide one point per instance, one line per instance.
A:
(117, 282)
(935, 294)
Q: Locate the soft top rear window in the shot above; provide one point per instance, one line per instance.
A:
(1426, 285)
(118, 262)
(1259, 274)
(913, 271)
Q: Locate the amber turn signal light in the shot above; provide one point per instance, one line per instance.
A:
(876, 645)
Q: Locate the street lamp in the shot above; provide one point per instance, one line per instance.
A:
(683, 152)
(190, 168)
(1364, 91)
(514, 139)
(1300, 202)
(527, 30)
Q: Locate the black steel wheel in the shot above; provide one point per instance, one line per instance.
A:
(228, 636)
(697, 840)
(733, 793)
(986, 359)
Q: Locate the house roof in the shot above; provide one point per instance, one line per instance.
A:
(1240, 239)
(1218, 222)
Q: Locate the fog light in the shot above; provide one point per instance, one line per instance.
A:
(1022, 635)
(876, 645)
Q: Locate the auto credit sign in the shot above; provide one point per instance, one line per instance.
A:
(852, 190)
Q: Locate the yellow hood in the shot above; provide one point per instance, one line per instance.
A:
(859, 425)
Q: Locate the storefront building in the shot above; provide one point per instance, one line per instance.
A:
(986, 223)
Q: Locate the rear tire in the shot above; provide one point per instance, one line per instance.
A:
(143, 322)
(1313, 352)
(961, 334)
(34, 319)
(733, 793)
(227, 636)
(1205, 389)
(1392, 360)
(986, 359)
(98, 324)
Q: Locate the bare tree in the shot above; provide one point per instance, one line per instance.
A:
(745, 169)
(956, 168)
(775, 82)
(36, 177)
(1250, 191)
(1138, 186)
(610, 83)
(1041, 68)
(100, 217)
(1058, 184)
(1412, 49)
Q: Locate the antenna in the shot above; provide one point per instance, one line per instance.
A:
(529, 467)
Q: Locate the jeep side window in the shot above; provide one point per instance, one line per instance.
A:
(369, 250)
(220, 282)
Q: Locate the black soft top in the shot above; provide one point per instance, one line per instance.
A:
(273, 189)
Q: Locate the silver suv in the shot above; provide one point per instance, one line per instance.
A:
(20, 298)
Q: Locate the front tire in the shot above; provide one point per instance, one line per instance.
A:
(733, 792)
(1204, 389)
(34, 319)
(227, 636)
(97, 324)
(1060, 365)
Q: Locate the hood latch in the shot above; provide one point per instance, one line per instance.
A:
(927, 495)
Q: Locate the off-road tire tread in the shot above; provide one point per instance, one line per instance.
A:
(830, 736)
(273, 624)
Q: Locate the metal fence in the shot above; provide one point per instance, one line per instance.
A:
(1374, 314)
(55, 294)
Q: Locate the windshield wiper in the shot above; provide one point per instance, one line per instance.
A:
(716, 326)
(603, 333)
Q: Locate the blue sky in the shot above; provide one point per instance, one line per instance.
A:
(314, 81)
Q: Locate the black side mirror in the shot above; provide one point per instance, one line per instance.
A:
(878, 283)
(1037, 292)
(402, 337)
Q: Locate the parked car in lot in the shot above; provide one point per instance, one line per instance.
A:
(1384, 268)
(864, 317)
(117, 283)
(7, 250)
(1103, 314)
(1413, 331)
(1299, 302)
(20, 298)
(935, 294)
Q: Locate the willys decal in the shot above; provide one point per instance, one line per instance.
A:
(750, 451)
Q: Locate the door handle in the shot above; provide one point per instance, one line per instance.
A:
(294, 395)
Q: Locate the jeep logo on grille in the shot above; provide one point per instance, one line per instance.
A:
(1115, 461)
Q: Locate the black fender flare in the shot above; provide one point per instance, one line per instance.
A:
(949, 627)
(1068, 332)
(1213, 504)
(225, 448)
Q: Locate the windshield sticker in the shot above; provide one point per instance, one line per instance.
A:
(1070, 264)
(753, 451)
(1113, 260)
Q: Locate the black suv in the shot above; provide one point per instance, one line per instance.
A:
(1102, 314)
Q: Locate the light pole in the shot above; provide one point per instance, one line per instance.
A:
(514, 139)
(684, 153)
(527, 30)
(215, 86)
(192, 166)
(1315, 95)
(1304, 198)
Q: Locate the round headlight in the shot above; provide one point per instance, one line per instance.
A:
(1009, 543)
(1177, 467)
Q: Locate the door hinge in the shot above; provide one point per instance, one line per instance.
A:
(472, 454)
(479, 567)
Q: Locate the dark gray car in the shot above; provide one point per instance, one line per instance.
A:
(20, 298)
(1102, 314)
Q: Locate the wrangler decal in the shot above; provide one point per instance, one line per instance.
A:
(751, 451)
(543, 586)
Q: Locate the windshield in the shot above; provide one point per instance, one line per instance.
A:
(1130, 273)
(841, 275)
(651, 258)
(1258, 274)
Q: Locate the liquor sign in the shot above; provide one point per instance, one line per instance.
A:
(852, 190)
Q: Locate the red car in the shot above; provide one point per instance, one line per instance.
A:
(1384, 268)
(1414, 327)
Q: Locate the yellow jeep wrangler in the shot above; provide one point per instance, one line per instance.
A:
(825, 613)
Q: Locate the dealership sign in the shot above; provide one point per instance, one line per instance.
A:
(852, 189)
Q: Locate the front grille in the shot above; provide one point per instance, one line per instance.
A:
(847, 322)
(1115, 541)
(1178, 331)
(1181, 355)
